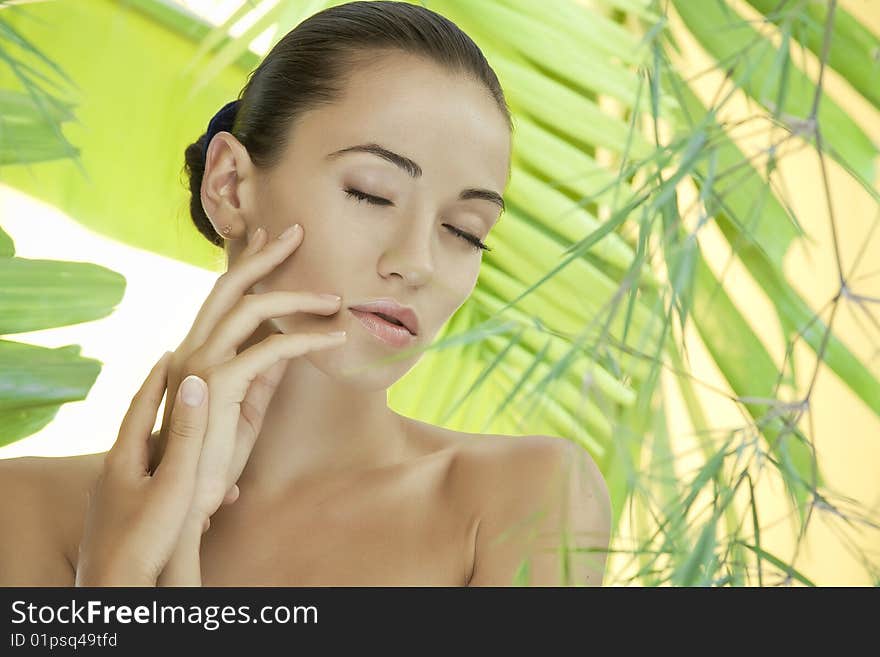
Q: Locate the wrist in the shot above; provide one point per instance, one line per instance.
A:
(184, 566)
(195, 525)
(91, 578)
(189, 542)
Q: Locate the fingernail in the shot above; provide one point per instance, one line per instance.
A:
(192, 390)
(336, 334)
(332, 297)
(289, 232)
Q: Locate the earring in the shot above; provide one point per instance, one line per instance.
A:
(226, 230)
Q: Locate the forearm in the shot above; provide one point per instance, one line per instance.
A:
(184, 566)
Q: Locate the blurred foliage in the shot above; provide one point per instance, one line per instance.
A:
(39, 294)
(596, 275)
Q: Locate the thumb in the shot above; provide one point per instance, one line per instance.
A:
(188, 425)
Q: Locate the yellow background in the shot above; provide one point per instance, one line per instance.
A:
(845, 433)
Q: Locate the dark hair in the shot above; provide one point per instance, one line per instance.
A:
(309, 67)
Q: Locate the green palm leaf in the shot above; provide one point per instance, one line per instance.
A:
(593, 277)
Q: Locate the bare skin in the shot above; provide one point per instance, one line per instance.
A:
(413, 524)
(338, 489)
(337, 398)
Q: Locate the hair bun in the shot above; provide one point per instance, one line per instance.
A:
(224, 119)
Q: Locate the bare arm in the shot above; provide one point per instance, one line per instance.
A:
(184, 566)
(31, 552)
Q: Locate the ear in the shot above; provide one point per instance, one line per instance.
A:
(228, 192)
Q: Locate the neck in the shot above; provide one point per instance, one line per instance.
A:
(317, 427)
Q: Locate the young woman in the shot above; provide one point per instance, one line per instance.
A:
(379, 129)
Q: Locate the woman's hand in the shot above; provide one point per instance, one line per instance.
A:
(134, 518)
(241, 384)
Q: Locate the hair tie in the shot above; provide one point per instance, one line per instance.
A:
(223, 120)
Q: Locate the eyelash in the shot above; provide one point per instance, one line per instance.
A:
(375, 200)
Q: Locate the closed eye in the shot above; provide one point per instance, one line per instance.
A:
(359, 196)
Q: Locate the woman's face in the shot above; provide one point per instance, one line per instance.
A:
(457, 139)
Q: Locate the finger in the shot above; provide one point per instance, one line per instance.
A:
(229, 383)
(260, 393)
(153, 452)
(231, 495)
(253, 412)
(231, 285)
(176, 473)
(130, 453)
(256, 242)
(253, 309)
(232, 378)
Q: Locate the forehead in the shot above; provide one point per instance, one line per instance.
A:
(446, 122)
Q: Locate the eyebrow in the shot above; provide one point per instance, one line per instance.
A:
(415, 171)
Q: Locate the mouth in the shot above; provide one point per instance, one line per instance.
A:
(384, 327)
(391, 320)
(388, 310)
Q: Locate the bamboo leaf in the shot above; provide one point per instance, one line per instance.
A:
(40, 294)
(575, 62)
(853, 51)
(35, 381)
(698, 565)
(795, 312)
(29, 128)
(570, 168)
(706, 20)
(759, 248)
(7, 246)
(587, 27)
(546, 100)
(780, 564)
(564, 217)
(140, 203)
(745, 363)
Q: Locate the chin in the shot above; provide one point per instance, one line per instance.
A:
(365, 377)
(366, 370)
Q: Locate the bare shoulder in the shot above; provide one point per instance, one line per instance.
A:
(502, 469)
(485, 469)
(42, 502)
(532, 493)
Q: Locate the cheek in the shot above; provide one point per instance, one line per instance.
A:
(326, 243)
(310, 268)
(338, 226)
(315, 265)
(458, 288)
(467, 273)
(299, 197)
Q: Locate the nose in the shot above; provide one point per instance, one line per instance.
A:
(410, 255)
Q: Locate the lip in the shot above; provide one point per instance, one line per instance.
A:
(404, 314)
(396, 336)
